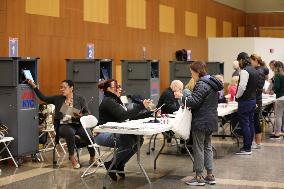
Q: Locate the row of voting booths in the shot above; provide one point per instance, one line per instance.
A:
(19, 108)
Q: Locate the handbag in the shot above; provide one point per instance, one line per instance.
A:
(182, 123)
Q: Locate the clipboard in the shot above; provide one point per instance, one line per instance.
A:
(67, 110)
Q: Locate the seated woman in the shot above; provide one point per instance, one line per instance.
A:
(68, 126)
(112, 109)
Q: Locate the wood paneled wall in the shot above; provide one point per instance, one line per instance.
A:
(256, 20)
(54, 39)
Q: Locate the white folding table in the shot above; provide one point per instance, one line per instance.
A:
(135, 127)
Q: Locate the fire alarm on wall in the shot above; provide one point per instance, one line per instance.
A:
(271, 50)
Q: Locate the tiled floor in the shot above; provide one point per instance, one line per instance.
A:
(263, 169)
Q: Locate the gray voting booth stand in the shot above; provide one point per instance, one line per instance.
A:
(179, 70)
(86, 75)
(141, 77)
(18, 105)
(215, 68)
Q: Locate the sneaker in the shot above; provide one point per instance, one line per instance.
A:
(244, 152)
(274, 137)
(196, 181)
(256, 146)
(210, 179)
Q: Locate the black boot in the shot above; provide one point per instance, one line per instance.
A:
(111, 174)
(120, 167)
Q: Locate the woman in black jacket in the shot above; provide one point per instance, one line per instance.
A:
(112, 110)
(67, 126)
(203, 102)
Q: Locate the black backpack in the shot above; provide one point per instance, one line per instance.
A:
(181, 55)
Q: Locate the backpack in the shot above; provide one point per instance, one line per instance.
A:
(181, 55)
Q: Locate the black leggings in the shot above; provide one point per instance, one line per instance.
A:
(69, 131)
(257, 114)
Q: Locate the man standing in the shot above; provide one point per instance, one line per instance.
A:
(246, 97)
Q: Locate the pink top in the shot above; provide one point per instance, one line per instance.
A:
(232, 90)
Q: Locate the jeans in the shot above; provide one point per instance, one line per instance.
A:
(279, 109)
(257, 114)
(126, 145)
(245, 112)
(202, 152)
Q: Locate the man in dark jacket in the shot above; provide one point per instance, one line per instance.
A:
(168, 98)
(203, 102)
(246, 97)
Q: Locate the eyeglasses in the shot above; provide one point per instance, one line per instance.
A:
(116, 87)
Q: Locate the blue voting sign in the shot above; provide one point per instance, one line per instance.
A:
(90, 51)
(13, 47)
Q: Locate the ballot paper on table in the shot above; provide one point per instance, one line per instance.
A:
(68, 110)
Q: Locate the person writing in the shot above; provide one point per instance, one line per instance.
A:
(65, 125)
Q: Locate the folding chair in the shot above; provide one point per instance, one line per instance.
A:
(91, 121)
(6, 141)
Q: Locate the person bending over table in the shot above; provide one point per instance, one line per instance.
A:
(112, 109)
(203, 102)
(65, 125)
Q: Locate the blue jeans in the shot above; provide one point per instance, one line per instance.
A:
(126, 145)
(246, 120)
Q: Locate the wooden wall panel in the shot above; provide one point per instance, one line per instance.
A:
(256, 20)
(227, 29)
(3, 5)
(191, 24)
(136, 13)
(96, 11)
(54, 39)
(43, 7)
(166, 19)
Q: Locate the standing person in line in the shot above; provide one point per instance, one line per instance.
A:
(278, 88)
(246, 98)
(263, 72)
(203, 102)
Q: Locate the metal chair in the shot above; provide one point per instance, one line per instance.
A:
(91, 121)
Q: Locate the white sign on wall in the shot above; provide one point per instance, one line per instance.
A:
(13, 47)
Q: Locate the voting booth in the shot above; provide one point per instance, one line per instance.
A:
(19, 108)
(86, 75)
(179, 70)
(141, 77)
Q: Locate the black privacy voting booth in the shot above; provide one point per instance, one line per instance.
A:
(215, 68)
(179, 70)
(141, 77)
(18, 106)
(86, 75)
